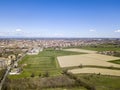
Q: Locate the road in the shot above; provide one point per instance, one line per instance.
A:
(5, 75)
(8, 70)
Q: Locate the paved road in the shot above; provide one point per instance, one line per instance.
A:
(7, 71)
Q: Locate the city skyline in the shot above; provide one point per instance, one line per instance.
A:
(60, 18)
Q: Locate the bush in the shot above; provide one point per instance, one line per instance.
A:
(46, 74)
(39, 75)
(64, 71)
(32, 75)
(80, 66)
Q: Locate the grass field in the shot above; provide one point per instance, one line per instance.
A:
(101, 82)
(115, 61)
(43, 62)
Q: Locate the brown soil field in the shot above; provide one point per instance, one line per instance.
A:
(80, 50)
(86, 59)
(96, 70)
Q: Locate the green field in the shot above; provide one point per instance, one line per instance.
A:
(101, 82)
(44, 62)
(115, 61)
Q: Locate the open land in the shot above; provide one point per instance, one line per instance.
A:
(96, 70)
(100, 78)
(92, 58)
(87, 59)
(47, 61)
(80, 50)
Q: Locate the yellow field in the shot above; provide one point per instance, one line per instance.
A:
(80, 50)
(102, 57)
(96, 70)
(91, 58)
(86, 59)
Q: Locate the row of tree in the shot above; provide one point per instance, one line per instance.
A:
(46, 74)
(79, 82)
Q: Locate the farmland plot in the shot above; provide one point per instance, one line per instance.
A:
(91, 58)
(86, 59)
(102, 57)
(80, 50)
(96, 70)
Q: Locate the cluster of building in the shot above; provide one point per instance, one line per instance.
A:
(111, 53)
(35, 51)
(30, 43)
(4, 62)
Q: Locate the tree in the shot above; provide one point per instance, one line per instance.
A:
(46, 74)
(32, 75)
(80, 66)
(64, 71)
(39, 75)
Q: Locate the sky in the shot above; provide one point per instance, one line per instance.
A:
(60, 18)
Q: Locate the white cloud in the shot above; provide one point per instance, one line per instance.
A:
(18, 30)
(2, 34)
(92, 30)
(58, 34)
(117, 31)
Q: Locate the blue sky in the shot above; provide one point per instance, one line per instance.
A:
(60, 18)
